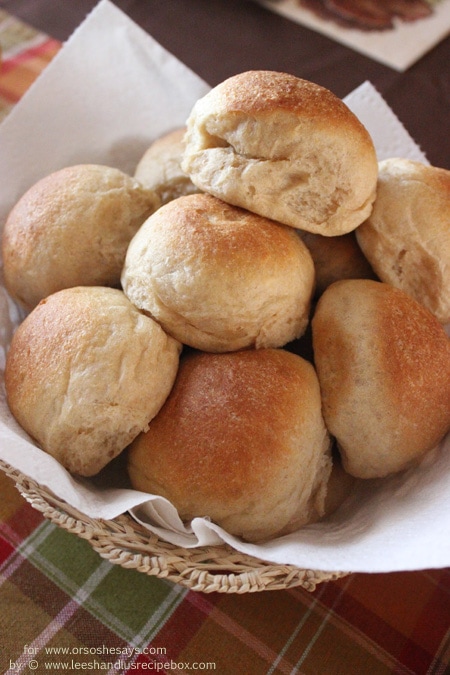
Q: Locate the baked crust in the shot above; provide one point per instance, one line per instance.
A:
(219, 278)
(383, 362)
(159, 168)
(241, 440)
(407, 236)
(336, 258)
(285, 148)
(85, 373)
(72, 228)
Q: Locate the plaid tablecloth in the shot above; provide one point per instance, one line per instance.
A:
(65, 609)
(25, 52)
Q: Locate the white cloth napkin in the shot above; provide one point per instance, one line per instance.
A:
(109, 92)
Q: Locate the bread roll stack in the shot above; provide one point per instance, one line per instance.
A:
(233, 226)
(241, 437)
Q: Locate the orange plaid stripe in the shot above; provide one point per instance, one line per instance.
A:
(24, 53)
(19, 72)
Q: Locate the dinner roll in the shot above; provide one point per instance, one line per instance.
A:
(159, 168)
(219, 278)
(336, 258)
(240, 440)
(85, 374)
(383, 362)
(285, 148)
(339, 487)
(407, 236)
(72, 228)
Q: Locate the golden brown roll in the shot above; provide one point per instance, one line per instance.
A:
(285, 148)
(219, 278)
(72, 228)
(383, 362)
(159, 168)
(336, 258)
(407, 236)
(85, 374)
(241, 440)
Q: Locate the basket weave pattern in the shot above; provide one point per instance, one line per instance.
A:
(125, 542)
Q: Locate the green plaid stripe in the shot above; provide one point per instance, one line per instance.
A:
(103, 589)
(381, 624)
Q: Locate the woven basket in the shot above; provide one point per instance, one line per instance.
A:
(125, 542)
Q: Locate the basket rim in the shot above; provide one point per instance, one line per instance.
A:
(125, 542)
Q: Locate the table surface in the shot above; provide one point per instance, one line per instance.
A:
(66, 609)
